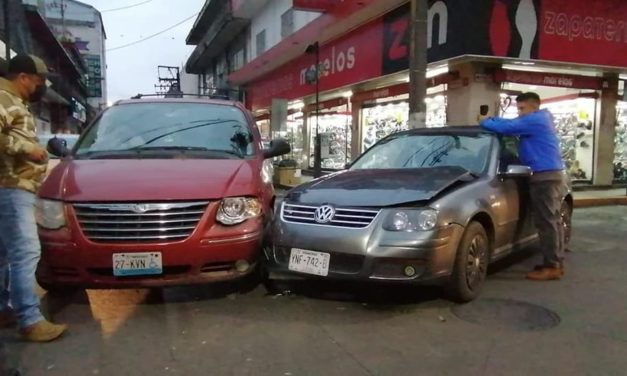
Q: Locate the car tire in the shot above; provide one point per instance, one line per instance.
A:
(566, 212)
(471, 265)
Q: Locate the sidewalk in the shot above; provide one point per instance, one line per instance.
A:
(583, 199)
(608, 197)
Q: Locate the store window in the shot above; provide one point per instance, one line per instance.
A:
(294, 136)
(381, 120)
(620, 149)
(574, 121)
(287, 23)
(335, 137)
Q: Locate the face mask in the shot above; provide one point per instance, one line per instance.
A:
(39, 92)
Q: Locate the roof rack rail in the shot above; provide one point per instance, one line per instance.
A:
(181, 95)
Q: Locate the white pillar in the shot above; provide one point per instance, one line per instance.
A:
(469, 92)
(605, 134)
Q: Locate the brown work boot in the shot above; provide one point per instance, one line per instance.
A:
(546, 274)
(43, 331)
(542, 266)
(7, 318)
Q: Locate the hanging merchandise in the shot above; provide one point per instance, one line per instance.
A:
(576, 132)
(382, 120)
(620, 148)
(436, 111)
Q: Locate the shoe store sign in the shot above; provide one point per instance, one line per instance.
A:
(574, 31)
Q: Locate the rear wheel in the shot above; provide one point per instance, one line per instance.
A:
(566, 212)
(471, 265)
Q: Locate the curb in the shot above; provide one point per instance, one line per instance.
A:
(594, 202)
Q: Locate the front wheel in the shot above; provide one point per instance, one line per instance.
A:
(471, 265)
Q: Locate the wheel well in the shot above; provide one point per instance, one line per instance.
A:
(486, 221)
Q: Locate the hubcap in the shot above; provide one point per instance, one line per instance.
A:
(476, 262)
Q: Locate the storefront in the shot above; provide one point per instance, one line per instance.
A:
(620, 149)
(333, 123)
(491, 66)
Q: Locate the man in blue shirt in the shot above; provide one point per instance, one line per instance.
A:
(539, 149)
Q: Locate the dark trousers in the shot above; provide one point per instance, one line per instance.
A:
(546, 203)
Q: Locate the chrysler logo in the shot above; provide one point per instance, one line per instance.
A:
(324, 214)
(140, 208)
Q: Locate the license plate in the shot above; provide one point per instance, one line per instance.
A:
(128, 264)
(309, 262)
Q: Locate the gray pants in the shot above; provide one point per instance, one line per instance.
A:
(546, 203)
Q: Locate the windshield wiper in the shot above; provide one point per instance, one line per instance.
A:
(188, 148)
(182, 148)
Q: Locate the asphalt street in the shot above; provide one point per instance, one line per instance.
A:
(576, 326)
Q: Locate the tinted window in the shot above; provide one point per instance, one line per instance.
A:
(418, 151)
(170, 127)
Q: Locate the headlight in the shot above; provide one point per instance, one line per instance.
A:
(411, 220)
(50, 214)
(236, 210)
(267, 171)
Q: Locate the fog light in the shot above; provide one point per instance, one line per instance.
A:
(409, 271)
(242, 266)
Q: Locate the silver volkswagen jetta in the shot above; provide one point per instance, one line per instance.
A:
(430, 206)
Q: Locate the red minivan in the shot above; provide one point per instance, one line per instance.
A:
(157, 192)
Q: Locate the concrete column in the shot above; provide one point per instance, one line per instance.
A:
(605, 133)
(356, 130)
(469, 92)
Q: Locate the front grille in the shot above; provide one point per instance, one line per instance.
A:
(139, 223)
(343, 217)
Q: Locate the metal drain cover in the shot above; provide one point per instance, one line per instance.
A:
(507, 314)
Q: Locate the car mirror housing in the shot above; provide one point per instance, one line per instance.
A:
(277, 148)
(58, 147)
(517, 171)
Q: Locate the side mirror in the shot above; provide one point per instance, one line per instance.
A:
(517, 171)
(277, 148)
(58, 147)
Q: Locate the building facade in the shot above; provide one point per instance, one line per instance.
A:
(80, 26)
(64, 108)
(483, 52)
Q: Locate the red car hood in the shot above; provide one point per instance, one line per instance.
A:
(151, 180)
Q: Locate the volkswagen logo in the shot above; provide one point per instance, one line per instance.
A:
(324, 214)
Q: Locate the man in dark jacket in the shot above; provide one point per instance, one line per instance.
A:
(539, 149)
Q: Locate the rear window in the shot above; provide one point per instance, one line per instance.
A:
(170, 126)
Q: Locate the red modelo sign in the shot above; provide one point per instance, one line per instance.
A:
(342, 62)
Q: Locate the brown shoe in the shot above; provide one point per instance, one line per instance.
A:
(43, 331)
(541, 266)
(546, 274)
(7, 319)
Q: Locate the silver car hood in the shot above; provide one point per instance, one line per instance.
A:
(379, 188)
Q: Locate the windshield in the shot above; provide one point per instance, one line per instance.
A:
(215, 131)
(420, 151)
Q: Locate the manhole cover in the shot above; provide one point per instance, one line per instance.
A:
(508, 314)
